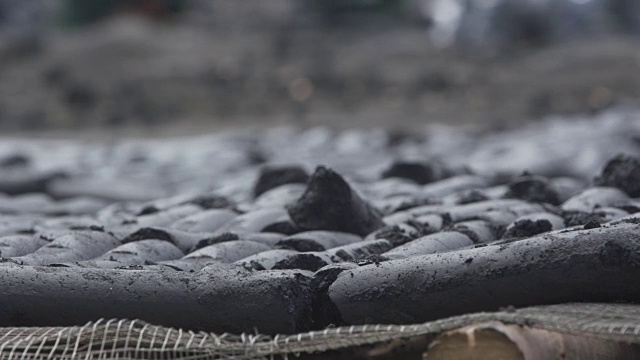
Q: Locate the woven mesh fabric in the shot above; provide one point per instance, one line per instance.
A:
(126, 339)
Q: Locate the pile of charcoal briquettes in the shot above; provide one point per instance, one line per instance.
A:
(286, 230)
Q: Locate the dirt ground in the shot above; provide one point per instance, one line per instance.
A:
(130, 75)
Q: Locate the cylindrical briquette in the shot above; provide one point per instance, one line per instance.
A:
(590, 265)
(217, 299)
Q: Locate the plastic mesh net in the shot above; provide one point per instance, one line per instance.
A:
(125, 339)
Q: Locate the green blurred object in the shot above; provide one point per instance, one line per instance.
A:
(74, 13)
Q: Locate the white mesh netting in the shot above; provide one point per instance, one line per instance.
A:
(126, 339)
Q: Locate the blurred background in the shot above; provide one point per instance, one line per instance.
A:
(173, 66)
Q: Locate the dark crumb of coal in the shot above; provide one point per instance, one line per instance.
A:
(211, 202)
(80, 96)
(273, 176)
(329, 203)
(394, 235)
(138, 158)
(633, 220)
(419, 172)
(533, 188)
(415, 202)
(472, 235)
(631, 209)
(343, 255)
(576, 218)
(53, 213)
(472, 196)
(215, 240)
(15, 160)
(253, 266)
(375, 259)
(446, 219)
(175, 267)
(56, 246)
(302, 262)
(593, 224)
(90, 227)
(256, 156)
(422, 229)
(302, 245)
(58, 265)
(148, 210)
(622, 172)
(131, 267)
(499, 231)
(527, 228)
(397, 137)
(283, 227)
(148, 233)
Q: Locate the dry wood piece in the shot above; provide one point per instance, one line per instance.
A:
(495, 340)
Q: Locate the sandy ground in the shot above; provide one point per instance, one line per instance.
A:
(129, 76)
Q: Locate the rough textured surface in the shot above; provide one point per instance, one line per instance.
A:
(216, 299)
(533, 188)
(329, 203)
(156, 218)
(580, 266)
(623, 172)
